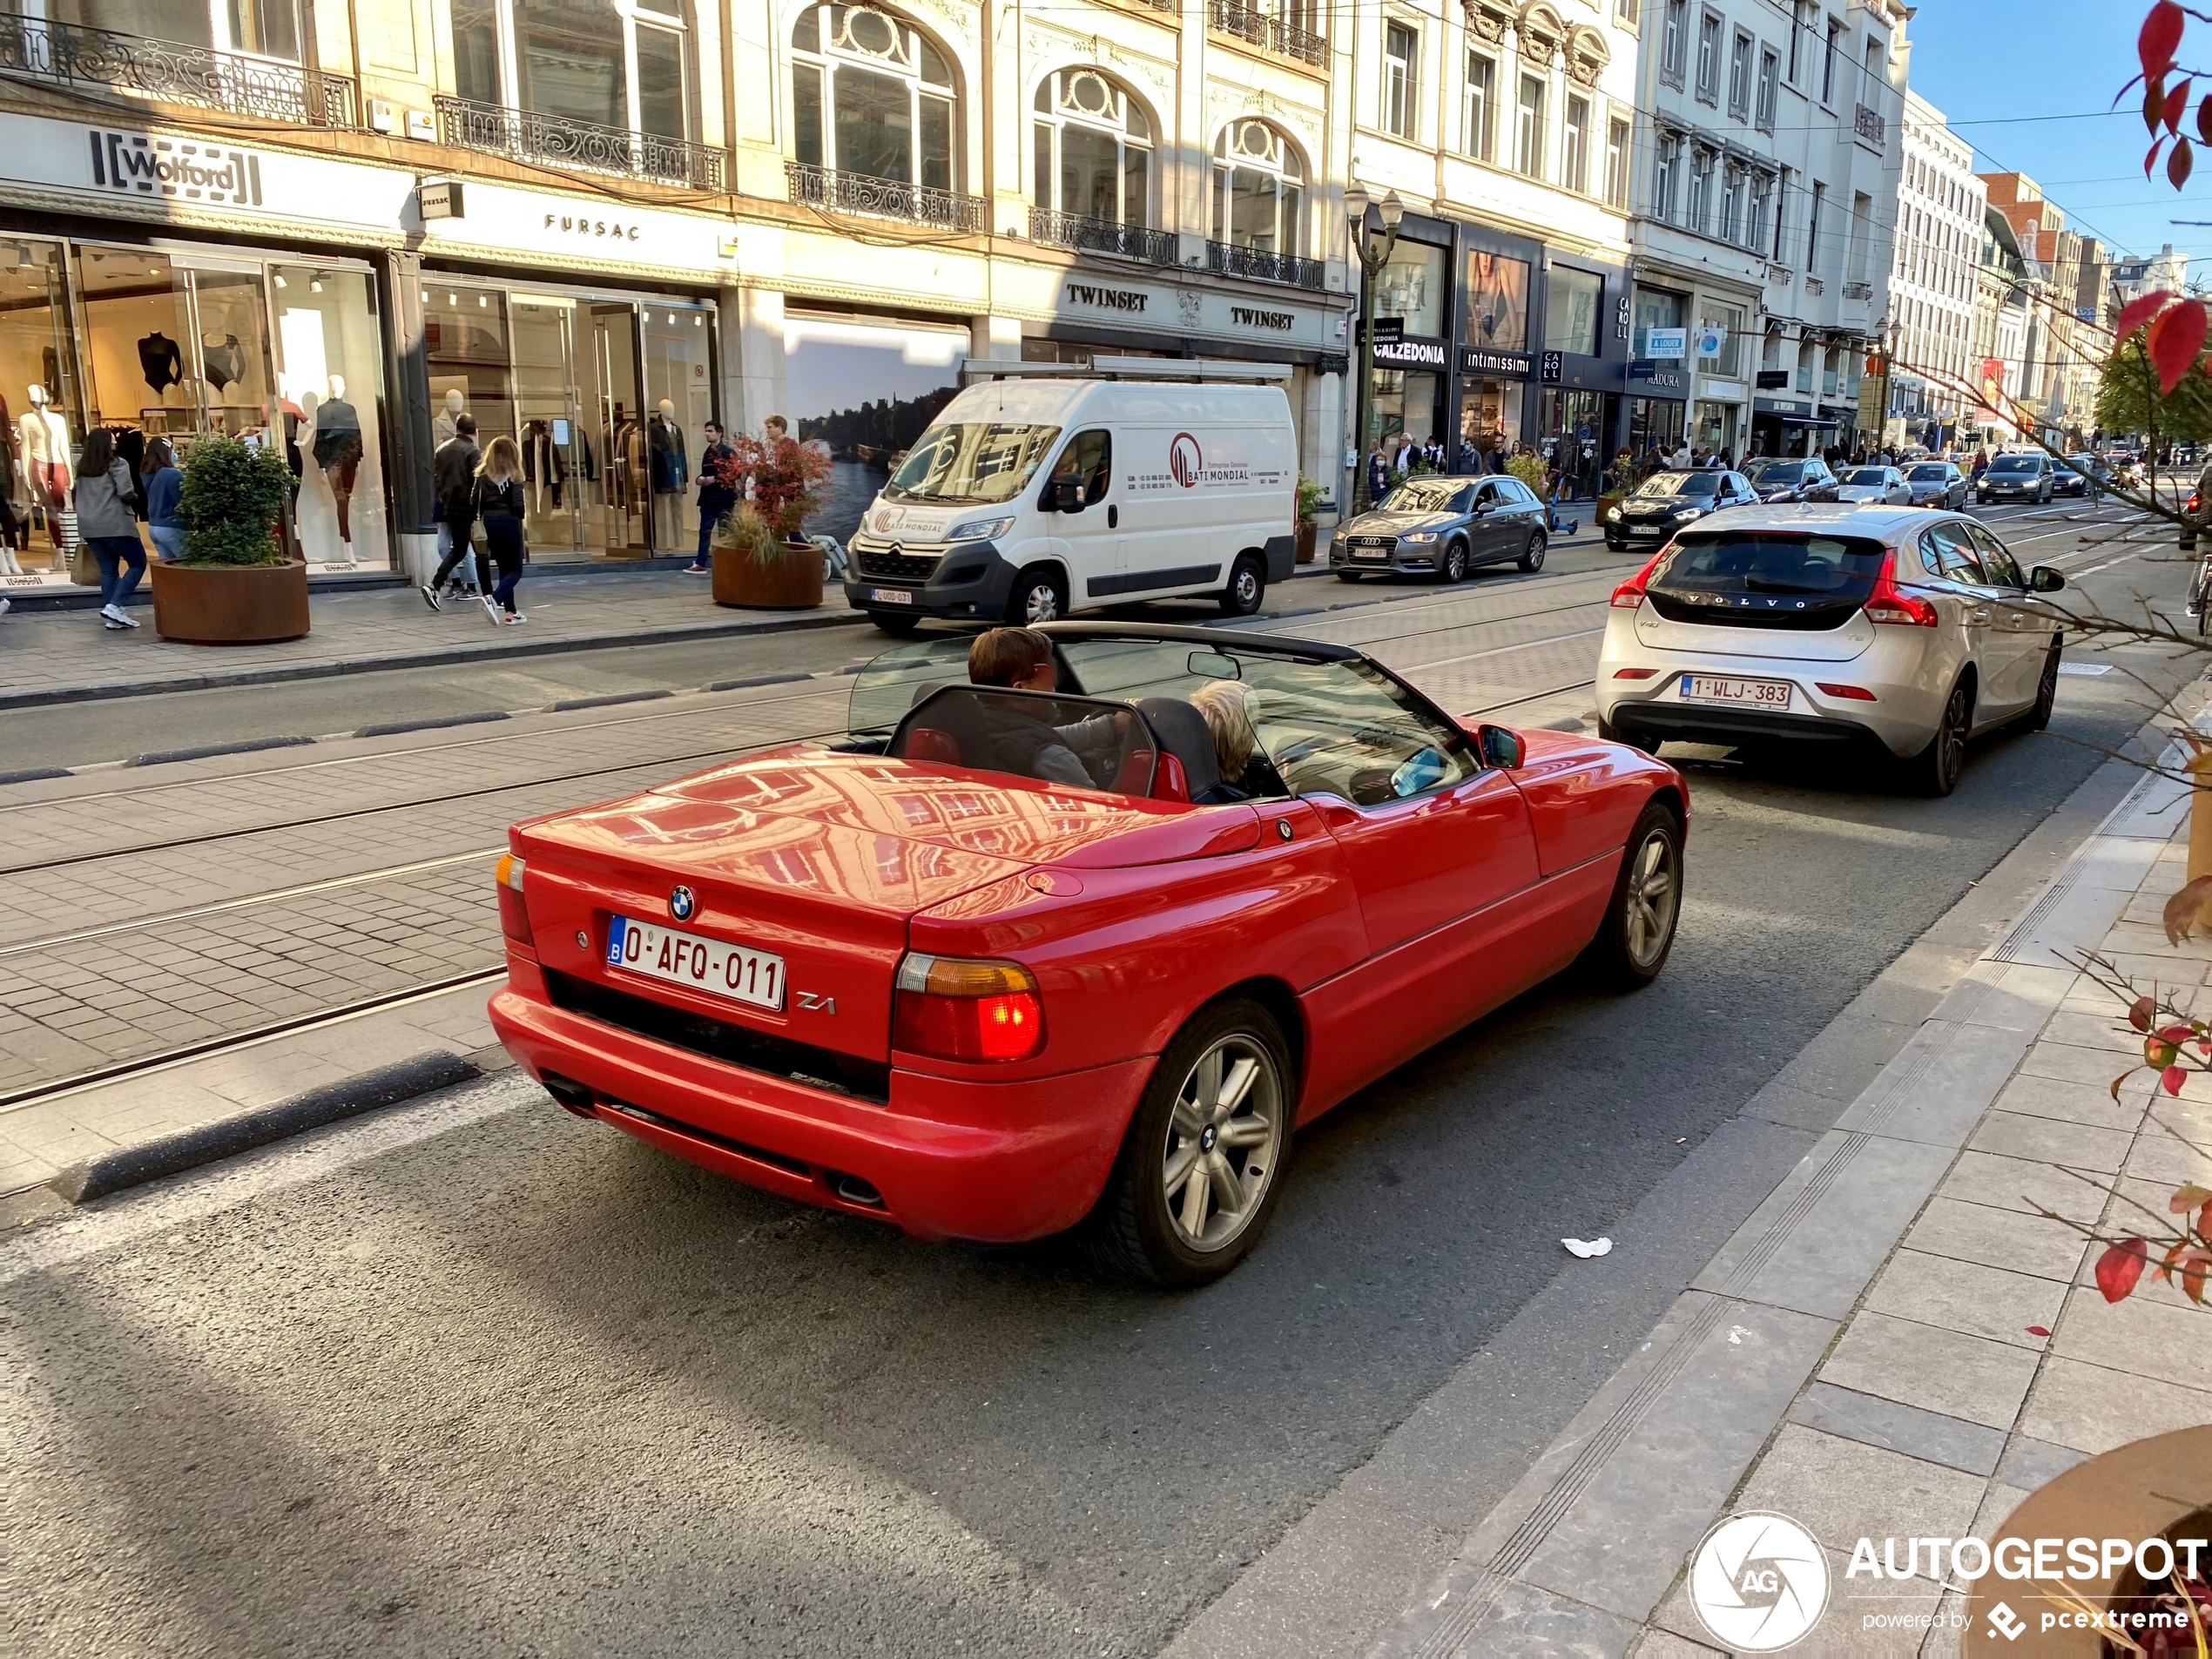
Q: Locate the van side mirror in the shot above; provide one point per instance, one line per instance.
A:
(1501, 748)
(1065, 496)
(2045, 578)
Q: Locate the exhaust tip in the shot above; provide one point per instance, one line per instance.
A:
(853, 1190)
(572, 1094)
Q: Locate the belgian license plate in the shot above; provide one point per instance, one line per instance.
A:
(1376, 554)
(1758, 694)
(891, 596)
(735, 973)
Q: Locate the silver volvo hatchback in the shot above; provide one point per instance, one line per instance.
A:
(1901, 630)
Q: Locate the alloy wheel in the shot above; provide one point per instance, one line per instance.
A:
(1455, 562)
(1951, 740)
(1224, 1141)
(1654, 889)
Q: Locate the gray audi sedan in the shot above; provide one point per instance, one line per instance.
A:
(1443, 526)
(1936, 483)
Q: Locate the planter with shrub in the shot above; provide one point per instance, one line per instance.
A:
(235, 584)
(759, 570)
(1310, 497)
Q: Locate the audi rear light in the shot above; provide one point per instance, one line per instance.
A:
(1891, 604)
(514, 918)
(954, 1009)
(1629, 594)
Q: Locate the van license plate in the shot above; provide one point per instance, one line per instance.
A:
(735, 973)
(1758, 694)
(890, 596)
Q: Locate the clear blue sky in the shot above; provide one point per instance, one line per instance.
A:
(1980, 59)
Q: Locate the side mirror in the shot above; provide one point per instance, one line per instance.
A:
(1501, 748)
(1066, 495)
(2045, 578)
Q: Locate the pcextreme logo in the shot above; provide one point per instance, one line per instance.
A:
(1758, 1581)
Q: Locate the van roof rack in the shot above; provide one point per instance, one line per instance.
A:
(1121, 368)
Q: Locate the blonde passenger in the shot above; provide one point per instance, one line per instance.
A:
(1226, 707)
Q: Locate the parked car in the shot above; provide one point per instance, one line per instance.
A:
(1935, 483)
(908, 977)
(2016, 476)
(1665, 502)
(1785, 480)
(1900, 629)
(1883, 484)
(1444, 526)
(1029, 497)
(2077, 474)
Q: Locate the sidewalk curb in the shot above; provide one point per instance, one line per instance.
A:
(132, 1166)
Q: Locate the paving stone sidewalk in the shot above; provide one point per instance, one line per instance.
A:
(1862, 1356)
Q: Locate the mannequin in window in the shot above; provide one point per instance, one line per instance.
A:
(161, 361)
(224, 365)
(448, 422)
(337, 451)
(42, 438)
(672, 472)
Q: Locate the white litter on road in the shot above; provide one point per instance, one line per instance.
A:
(2085, 668)
(1587, 1248)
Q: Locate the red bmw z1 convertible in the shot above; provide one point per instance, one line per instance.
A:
(1005, 962)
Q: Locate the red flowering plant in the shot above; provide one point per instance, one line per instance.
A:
(784, 473)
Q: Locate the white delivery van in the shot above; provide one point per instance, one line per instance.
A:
(1047, 487)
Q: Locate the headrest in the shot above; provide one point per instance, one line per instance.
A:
(1187, 737)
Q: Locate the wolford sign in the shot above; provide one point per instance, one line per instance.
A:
(142, 165)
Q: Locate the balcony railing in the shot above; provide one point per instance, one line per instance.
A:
(1249, 22)
(1100, 236)
(1871, 126)
(1815, 287)
(860, 192)
(1232, 260)
(1859, 290)
(173, 71)
(502, 131)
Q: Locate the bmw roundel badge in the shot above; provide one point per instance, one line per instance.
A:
(682, 903)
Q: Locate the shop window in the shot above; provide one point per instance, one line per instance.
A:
(1652, 309)
(1571, 300)
(258, 28)
(42, 409)
(1729, 319)
(1410, 285)
(680, 401)
(1497, 301)
(580, 61)
(872, 94)
(1094, 149)
(1258, 186)
(330, 387)
(1479, 116)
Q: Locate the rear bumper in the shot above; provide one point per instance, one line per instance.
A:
(1688, 723)
(998, 1163)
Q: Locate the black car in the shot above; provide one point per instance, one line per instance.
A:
(2078, 474)
(2016, 478)
(1665, 502)
(1804, 480)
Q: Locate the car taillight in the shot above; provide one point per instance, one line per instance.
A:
(514, 919)
(1634, 673)
(1856, 693)
(1889, 604)
(1629, 594)
(957, 1009)
(2195, 501)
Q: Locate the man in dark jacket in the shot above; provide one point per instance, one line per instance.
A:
(453, 482)
(716, 495)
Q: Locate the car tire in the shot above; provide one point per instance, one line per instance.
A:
(1613, 545)
(1455, 562)
(1934, 771)
(892, 623)
(1142, 1227)
(1533, 559)
(1638, 932)
(2047, 693)
(1039, 596)
(1247, 587)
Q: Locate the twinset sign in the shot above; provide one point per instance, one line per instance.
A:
(1252, 317)
(1133, 300)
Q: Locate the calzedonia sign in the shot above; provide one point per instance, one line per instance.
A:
(1416, 354)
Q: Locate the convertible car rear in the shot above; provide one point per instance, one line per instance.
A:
(925, 975)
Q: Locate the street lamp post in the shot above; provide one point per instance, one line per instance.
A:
(1372, 256)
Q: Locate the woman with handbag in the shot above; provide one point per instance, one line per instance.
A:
(107, 517)
(498, 501)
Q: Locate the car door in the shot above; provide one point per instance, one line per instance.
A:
(1950, 546)
(1090, 540)
(1489, 524)
(2022, 630)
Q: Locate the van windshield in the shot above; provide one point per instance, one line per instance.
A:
(976, 460)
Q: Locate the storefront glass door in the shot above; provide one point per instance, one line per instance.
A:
(41, 413)
(557, 467)
(618, 515)
(679, 399)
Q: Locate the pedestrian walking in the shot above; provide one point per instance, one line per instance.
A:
(453, 482)
(164, 494)
(1378, 472)
(107, 518)
(718, 494)
(497, 501)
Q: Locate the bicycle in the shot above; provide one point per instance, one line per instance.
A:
(2200, 584)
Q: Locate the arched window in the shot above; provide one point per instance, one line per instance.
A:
(872, 94)
(1257, 188)
(1094, 149)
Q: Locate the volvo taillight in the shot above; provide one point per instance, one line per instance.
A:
(954, 1009)
(514, 919)
(1889, 604)
(1629, 594)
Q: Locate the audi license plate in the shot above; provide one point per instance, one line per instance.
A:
(890, 596)
(1757, 694)
(1376, 554)
(736, 973)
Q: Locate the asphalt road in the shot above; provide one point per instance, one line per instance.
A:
(482, 1379)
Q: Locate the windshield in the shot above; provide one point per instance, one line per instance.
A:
(1756, 579)
(1680, 483)
(1778, 472)
(1426, 496)
(2016, 463)
(1935, 475)
(987, 461)
(1869, 475)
